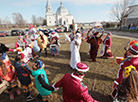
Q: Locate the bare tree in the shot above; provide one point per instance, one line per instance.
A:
(18, 19)
(34, 19)
(40, 20)
(0, 22)
(7, 22)
(120, 10)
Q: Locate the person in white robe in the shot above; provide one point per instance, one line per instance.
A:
(34, 37)
(74, 48)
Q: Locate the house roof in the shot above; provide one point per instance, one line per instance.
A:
(134, 11)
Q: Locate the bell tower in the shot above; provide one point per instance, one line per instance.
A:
(48, 8)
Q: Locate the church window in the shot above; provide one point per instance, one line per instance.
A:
(55, 21)
(49, 21)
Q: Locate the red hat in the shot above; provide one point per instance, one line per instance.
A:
(82, 67)
(133, 49)
(53, 33)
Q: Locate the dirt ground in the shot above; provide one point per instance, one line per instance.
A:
(104, 71)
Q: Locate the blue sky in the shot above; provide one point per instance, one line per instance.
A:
(82, 10)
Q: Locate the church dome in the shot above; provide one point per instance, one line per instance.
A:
(62, 9)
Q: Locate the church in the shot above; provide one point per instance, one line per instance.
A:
(61, 17)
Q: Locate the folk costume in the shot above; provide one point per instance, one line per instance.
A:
(42, 43)
(94, 44)
(130, 60)
(54, 43)
(28, 43)
(41, 80)
(120, 94)
(10, 76)
(106, 50)
(23, 74)
(34, 37)
(73, 88)
(27, 40)
(20, 43)
(74, 48)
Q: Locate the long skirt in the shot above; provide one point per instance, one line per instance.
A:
(75, 58)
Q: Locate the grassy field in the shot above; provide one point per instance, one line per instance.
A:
(104, 71)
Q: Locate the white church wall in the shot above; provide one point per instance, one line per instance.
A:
(62, 17)
(51, 21)
(69, 19)
(64, 20)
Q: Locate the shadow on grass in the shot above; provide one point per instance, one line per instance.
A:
(98, 76)
(101, 98)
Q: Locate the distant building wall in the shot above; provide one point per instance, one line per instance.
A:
(132, 21)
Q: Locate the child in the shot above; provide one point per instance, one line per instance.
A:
(41, 80)
(23, 74)
(54, 43)
(106, 50)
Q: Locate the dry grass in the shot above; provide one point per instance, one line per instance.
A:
(104, 70)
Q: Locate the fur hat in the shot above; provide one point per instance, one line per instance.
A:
(82, 67)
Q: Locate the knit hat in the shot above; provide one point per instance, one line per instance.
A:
(133, 49)
(53, 32)
(82, 67)
(40, 63)
(133, 42)
(20, 37)
(109, 33)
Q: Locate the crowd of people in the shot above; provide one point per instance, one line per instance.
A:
(125, 86)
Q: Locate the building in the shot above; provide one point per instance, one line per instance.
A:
(132, 18)
(61, 17)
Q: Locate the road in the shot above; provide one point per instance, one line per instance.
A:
(124, 34)
(117, 33)
(121, 33)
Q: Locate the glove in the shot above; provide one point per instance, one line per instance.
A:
(114, 86)
(55, 89)
(15, 50)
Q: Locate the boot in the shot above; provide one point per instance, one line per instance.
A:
(45, 52)
(17, 91)
(11, 95)
(40, 53)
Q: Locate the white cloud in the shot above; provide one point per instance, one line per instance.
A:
(107, 12)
